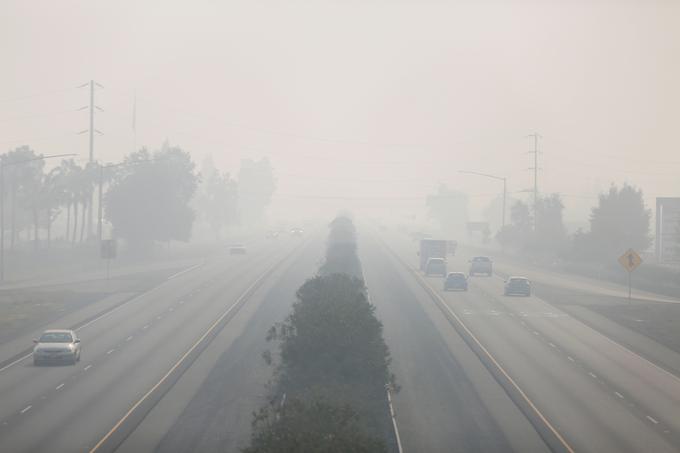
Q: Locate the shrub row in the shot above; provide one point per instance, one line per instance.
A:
(331, 364)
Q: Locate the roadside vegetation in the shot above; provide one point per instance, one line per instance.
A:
(331, 364)
(152, 196)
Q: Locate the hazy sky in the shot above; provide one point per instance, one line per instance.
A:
(360, 99)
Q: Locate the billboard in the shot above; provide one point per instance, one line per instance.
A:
(667, 237)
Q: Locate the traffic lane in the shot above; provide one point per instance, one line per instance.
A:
(655, 390)
(24, 381)
(211, 406)
(608, 425)
(109, 387)
(571, 281)
(448, 400)
(96, 308)
(586, 414)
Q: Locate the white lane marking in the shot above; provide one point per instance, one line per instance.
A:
(159, 317)
(571, 359)
(181, 302)
(443, 306)
(25, 409)
(87, 367)
(651, 419)
(109, 351)
(244, 294)
(20, 359)
(592, 375)
(129, 338)
(619, 395)
(184, 271)
(552, 345)
(536, 333)
(59, 386)
(145, 327)
(171, 309)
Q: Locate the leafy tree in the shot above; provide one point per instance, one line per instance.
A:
(314, 426)
(217, 197)
(550, 235)
(619, 221)
(545, 235)
(22, 186)
(518, 232)
(256, 185)
(149, 199)
(448, 208)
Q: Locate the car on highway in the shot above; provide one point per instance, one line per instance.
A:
(517, 286)
(237, 249)
(436, 266)
(481, 265)
(296, 231)
(456, 280)
(57, 346)
(272, 234)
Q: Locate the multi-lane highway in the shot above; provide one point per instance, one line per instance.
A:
(179, 368)
(583, 391)
(133, 354)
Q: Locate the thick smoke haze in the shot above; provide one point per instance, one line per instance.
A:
(363, 105)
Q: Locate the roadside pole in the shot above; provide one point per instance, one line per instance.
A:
(630, 261)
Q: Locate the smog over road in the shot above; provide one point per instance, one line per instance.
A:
(340, 226)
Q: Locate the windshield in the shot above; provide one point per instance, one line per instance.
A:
(56, 337)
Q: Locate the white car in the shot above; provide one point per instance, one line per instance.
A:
(55, 346)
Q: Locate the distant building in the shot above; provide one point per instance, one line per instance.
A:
(667, 237)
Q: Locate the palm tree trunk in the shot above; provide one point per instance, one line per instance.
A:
(68, 219)
(83, 226)
(75, 221)
(13, 217)
(36, 237)
(49, 226)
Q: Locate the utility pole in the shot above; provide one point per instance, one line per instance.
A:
(535, 151)
(92, 84)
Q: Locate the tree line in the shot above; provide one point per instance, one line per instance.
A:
(331, 364)
(619, 221)
(151, 196)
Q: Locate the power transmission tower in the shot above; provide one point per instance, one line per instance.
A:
(535, 136)
(92, 107)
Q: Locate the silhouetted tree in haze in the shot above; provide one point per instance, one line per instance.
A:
(256, 185)
(149, 199)
(217, 198)
(620, 221)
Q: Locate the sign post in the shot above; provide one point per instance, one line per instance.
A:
(108, 252)
(630, 261)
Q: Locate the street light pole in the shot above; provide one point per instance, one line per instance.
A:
(2, 203)
(498, 178)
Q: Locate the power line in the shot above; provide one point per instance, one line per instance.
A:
(35, 95)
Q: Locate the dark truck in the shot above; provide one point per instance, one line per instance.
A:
(431, 248)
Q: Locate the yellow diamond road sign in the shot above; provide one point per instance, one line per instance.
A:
(630, 260)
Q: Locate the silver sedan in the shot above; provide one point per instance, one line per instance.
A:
(57, 346)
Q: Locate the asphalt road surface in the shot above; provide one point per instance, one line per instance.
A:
(126, 354)
(178, 368)
(597, 395)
